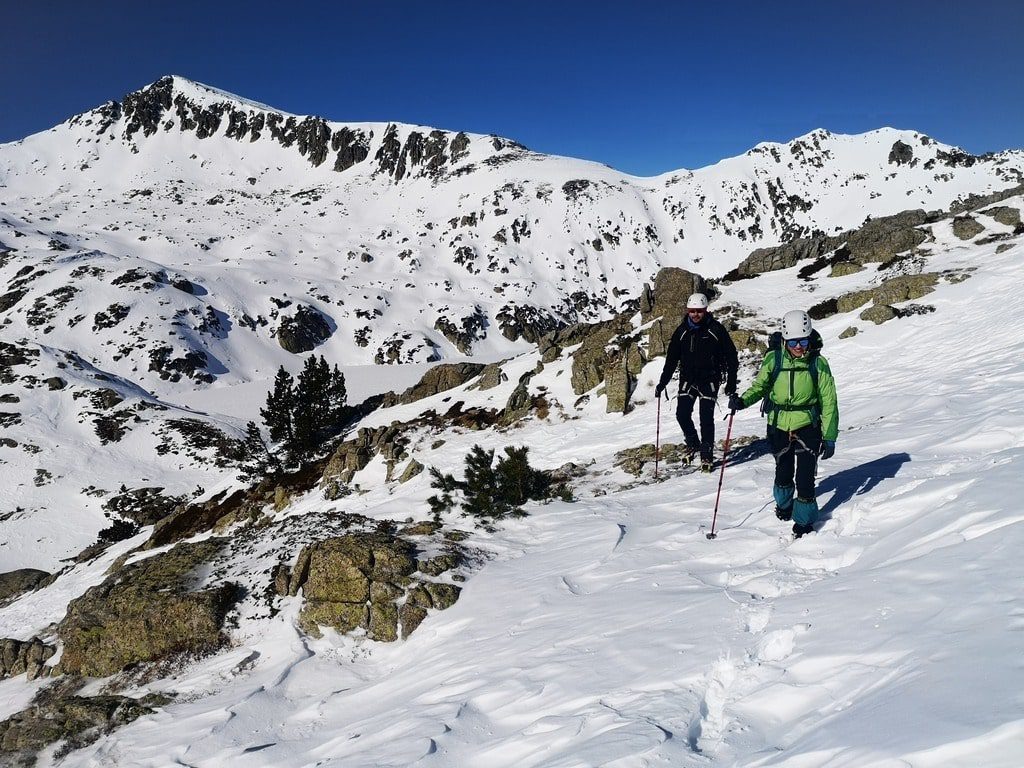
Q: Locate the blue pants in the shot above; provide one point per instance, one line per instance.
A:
(796, 462)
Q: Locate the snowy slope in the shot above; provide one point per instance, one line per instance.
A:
(164, 242)
(610, 631)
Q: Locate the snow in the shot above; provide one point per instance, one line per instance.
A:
(611, 631)
(607, 631)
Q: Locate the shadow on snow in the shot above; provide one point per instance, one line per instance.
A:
(857, 481)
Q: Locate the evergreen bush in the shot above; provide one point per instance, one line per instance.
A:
(493, 492)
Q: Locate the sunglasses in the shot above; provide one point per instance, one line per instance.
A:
(794, 343)
(696, 311)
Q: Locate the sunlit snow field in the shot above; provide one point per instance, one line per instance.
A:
(612, 632)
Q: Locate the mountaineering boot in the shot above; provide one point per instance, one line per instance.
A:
(706, 466)
(688, 455)
(805, 515)
(783, 501)
(801, 530)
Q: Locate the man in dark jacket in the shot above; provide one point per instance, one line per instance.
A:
(704, 354)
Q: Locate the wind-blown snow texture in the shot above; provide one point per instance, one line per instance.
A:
(608, 631)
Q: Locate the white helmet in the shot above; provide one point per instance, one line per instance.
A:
(697, 301)
(796, 325)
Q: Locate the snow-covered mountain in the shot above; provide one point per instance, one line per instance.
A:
(162, 256)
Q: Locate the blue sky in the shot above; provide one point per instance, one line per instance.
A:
(645, 87)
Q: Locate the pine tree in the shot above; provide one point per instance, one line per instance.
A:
(479, 485)
(310, 408)
(277, 414)
(259, 461)
(337, 405)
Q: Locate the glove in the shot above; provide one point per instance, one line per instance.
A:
(827, 449)
(659, 390)
(736, 402)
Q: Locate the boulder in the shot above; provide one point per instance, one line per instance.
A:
(1005, 215)
(352, 581)
(966, 227)
(879, 313)
(672, 287)
(359, 582)
(146, 611)
(303, 331)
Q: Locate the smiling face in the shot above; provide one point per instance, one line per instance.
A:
(797, 347)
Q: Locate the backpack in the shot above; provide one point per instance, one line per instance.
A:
(813, 350)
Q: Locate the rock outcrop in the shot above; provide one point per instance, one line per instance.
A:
(146, 611)
(303, 331)
(364, 581)
(14, 583)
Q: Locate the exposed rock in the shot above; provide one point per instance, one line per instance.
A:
(878, 314)
(193, 519)
(901, 154)
(441, 378)
(972, 202)
(526, 322)
(303, 331)
(877, 240)
(144, 612)
(54, 383)
(353, 455)
(435, 566)
(14, 583)
(76, 720)
(891, 291)
(843, 268)
(422, 528)
(1005, 215)
(470, 330)
(171, 367)
(518, 405)
(491, 376)
(966, 227)
(412, 469)
(848, 333)
(144, 506)
(11, 298)
(27, 657)
(672, 287)
(347, 572)
(611, 347)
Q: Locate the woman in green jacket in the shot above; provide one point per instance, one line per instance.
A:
(803, 418)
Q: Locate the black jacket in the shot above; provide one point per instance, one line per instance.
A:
(704, 355)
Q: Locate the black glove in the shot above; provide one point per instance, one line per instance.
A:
(736, 402)
(827, 449)
(659, 390)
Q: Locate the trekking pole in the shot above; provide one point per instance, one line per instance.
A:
(657, 441)
(725, 456)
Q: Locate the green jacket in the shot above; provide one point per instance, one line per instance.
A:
(795, 387)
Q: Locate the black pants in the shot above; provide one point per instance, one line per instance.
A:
(707, 394)
(796, 451)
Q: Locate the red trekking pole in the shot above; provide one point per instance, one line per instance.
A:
(725, 455)
(657, 441)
